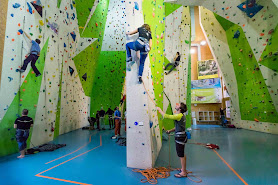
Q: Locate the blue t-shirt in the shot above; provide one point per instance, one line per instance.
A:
(117, 113)
(35, 48)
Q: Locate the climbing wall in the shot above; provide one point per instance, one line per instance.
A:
(102, 70)
(143, 133)
(177, 37)
(254, 105)
(77, 69)
(247, 31)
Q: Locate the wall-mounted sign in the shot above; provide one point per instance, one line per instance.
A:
(207, 69)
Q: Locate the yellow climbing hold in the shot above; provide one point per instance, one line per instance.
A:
(41, 22)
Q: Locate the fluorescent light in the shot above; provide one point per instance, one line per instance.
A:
(203, 43)
(192, 50)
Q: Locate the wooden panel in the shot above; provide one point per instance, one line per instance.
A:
(3, 17)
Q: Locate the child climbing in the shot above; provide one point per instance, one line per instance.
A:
(180, 134)
(22, 126)
(33, 55)
(174, 64)
(118, 118)
(142, 44)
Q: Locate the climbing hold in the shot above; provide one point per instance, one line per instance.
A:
(41, 22)
(136, 6)
(237, 33)
(16, 5)
(136, 123)
(29, 8)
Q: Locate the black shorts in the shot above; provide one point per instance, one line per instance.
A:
(180, 146)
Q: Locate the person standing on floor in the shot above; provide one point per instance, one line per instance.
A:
(174, 64)
(22, 126)
(180, 134)
(110, 117)
(33, 56)
(142, 44)
(222, 117)
(101, 119)
(117, 116)
(97, 120)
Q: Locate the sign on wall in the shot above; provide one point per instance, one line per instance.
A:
(207, 69)
(206, 83)
(206, 95)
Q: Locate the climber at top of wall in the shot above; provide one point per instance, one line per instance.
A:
(143, 44)
(33, 55)
(180, 134)
(174, 64)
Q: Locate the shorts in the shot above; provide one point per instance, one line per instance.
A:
(21, 138)
(180, 144)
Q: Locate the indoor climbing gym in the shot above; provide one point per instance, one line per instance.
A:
(132, 92)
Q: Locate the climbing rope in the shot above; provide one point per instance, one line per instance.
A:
(148, 93)
(152, 174)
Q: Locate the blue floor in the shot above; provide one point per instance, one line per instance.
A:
(253, 155)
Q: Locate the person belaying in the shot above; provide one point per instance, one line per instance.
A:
(118, 119)
(180, 134)
(174, 64)
(33, 55)
(143, 44)
(22, 126)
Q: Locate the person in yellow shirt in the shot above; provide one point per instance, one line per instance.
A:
(180, 134)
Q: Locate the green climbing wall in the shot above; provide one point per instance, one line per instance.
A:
(154, 13)
(26, 98)
(109, 80)
(254, 99)
(105, 70)
(269, 56)
(83, 9)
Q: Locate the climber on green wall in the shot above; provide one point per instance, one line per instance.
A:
(22, 126)
(143, 44)
(33, 55)
(174, 64)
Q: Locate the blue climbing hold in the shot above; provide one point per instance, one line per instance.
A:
(20, 31)
(136, 6)
(16, 5)
(73, 35)
(151, 124)
(135, 123)
(30, 8)
(237, 34)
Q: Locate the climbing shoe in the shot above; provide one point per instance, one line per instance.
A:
(38, 75)
(129, 64)
(21, 70)
(129, 59)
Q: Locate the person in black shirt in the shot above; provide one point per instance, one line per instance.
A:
(92, 121)
(97, 120)
(101, 119)
(110, 116)
(174, 64)
(222, 117)
(142, 44)
(22, 126)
